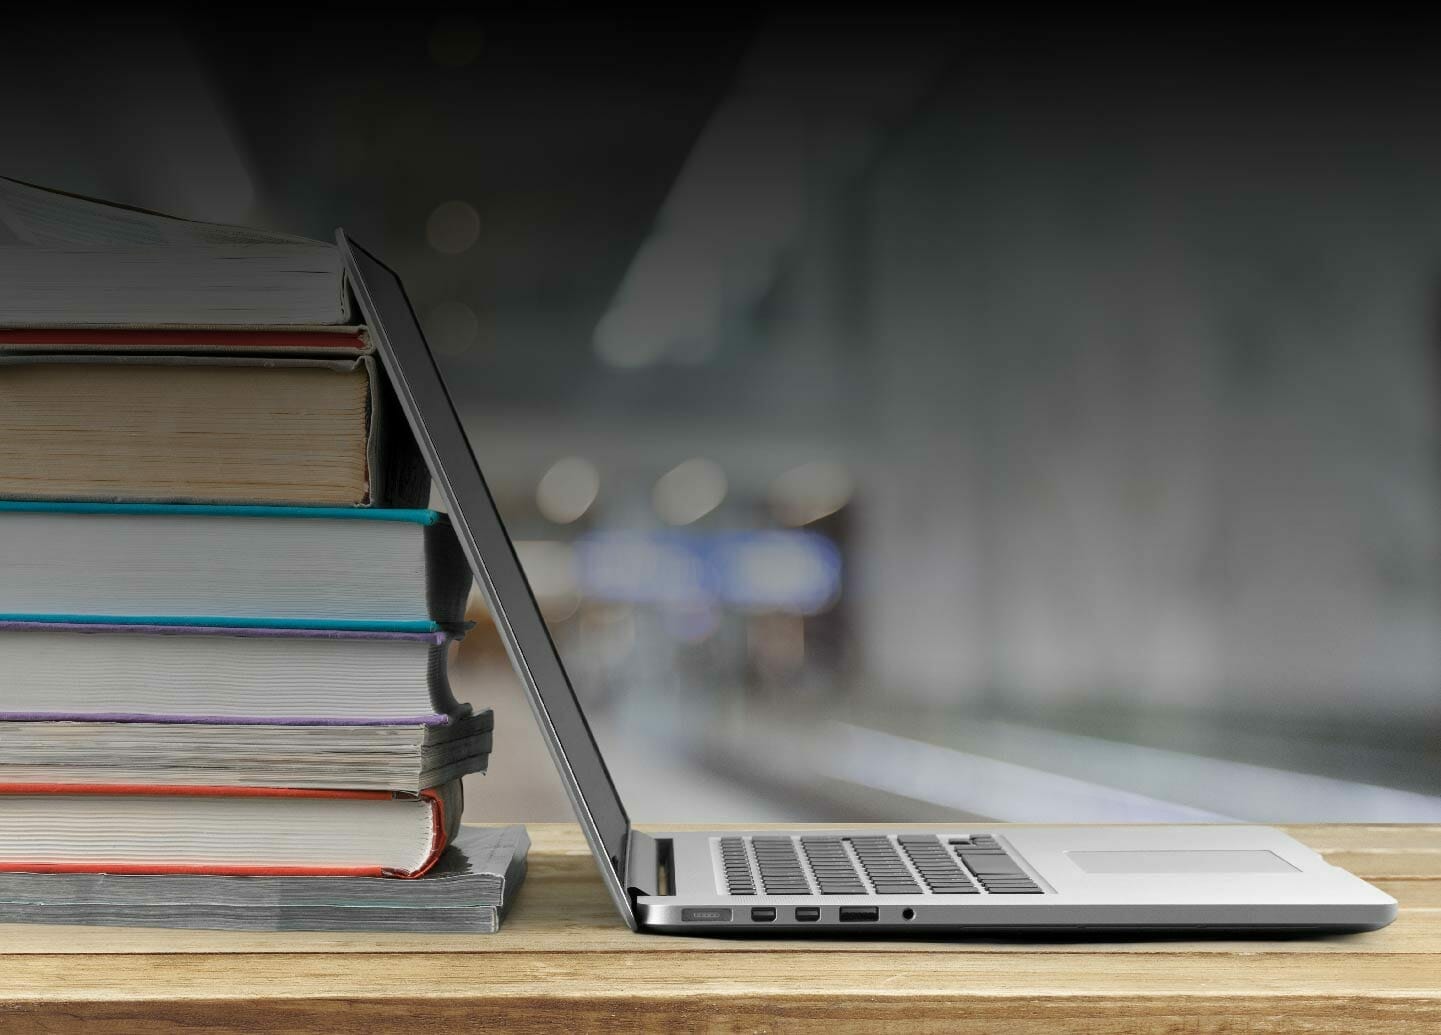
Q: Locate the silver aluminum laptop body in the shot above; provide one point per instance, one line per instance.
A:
(944, 879)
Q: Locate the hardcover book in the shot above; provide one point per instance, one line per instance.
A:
(72, 261)
(298, 567)
(313, 427)
(236, 831)
(221, 674)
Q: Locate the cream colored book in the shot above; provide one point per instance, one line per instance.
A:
(215, 428)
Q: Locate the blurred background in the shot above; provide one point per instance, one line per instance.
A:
(900, 418)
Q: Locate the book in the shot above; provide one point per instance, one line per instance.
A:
(247, 341)
(219, 674)
(392, 757)
(237, 831)
(168, 564)
(468, 890)
(219, 427)
(72, 261)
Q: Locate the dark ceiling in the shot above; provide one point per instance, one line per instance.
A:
(564, 132)
(565, 136)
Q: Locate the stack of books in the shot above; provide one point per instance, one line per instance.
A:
(224, 612)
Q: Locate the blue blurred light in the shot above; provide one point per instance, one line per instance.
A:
(791, 571)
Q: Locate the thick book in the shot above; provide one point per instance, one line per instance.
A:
(234, 831)
(468, 890)
(313, 427)
(296, 567)
(98, 672)
(391, 757)
(73, 261)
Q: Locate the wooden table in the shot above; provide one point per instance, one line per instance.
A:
(564, 960)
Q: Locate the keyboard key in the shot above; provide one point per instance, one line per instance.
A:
(997, 872)
(987, 864)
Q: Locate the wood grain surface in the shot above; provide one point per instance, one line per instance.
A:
(563, 960)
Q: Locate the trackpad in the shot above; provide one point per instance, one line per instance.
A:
(1221, 861)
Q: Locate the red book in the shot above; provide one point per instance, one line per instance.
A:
(226, 831)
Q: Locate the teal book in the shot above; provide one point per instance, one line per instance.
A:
(233, 566)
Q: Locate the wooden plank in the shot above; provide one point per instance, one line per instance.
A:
(1388, 865)
(1374, 837)
(827, 1014)
(1413, 894)
(756, 972)
(549, 930)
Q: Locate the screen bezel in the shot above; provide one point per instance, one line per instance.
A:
(432, 415)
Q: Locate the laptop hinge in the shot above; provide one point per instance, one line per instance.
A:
(648, 865)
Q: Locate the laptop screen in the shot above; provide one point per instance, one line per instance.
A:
(438, 431)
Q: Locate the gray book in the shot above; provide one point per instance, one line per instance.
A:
(72, 261)
(407, 757)
(468, 891)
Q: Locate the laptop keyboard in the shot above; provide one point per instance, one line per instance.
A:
(871, 864)
(780, 866)
(937, 867)
(737, 867)
(885, 870)
(831, 864)
(996, 871)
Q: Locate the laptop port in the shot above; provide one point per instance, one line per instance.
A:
(805, 913)
(859, 914)
(763, 914)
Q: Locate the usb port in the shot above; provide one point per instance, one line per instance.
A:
(763, 914)
(859, 914)
(808, 912)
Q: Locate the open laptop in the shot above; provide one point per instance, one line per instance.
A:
(946, 879)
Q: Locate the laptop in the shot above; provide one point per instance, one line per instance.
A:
(940, 880)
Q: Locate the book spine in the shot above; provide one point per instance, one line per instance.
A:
(442, 821)
(447, 576)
